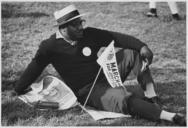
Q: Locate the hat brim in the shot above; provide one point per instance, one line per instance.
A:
(78, 16)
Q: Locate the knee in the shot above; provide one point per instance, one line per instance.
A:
(126, 55)
(114, 101)
(126, 60)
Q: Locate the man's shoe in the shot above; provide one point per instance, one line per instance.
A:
(179, 119)
(150, 14)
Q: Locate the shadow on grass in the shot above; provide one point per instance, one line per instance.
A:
(16, 109)
(173, 95)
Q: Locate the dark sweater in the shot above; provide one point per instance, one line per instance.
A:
(74, 67)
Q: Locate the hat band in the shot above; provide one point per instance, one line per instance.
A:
(68, 16)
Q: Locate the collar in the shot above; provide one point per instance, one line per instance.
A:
(60, 36)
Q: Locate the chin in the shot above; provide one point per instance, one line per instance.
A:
(80, 36)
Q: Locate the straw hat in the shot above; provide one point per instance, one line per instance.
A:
(67, 14)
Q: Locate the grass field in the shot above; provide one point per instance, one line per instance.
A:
(25, 25)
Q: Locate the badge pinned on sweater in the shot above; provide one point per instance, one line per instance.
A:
(86, 51)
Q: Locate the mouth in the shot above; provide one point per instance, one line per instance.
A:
(80, 34)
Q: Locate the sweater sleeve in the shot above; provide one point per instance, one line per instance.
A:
(33, 70)
(121, 40)
(127, 41)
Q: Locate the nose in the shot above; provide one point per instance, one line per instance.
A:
(81, 24)
(80, 27)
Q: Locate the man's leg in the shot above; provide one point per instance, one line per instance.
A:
(146, 81)
(174, 10)
(104, 97)
(150, 111)
(152, 4)
(152, 9)
(129, 60)
(173, 7)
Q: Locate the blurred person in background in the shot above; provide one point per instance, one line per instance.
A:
(173, 8)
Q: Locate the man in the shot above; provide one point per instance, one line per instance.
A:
(73, 51)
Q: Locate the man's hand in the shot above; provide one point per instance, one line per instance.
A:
(146, 55)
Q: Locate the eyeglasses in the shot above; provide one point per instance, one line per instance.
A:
(77, 23)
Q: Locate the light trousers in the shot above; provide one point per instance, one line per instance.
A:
(172, 5)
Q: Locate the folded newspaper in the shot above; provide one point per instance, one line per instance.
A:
(59, 93)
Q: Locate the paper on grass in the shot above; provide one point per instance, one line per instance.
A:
(98, 115)
(64, 96)
(56, 91)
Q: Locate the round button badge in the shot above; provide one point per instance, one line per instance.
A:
(86, 51)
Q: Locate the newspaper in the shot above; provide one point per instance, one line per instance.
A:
(58, 91)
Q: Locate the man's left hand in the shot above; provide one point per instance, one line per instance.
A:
(146, 54)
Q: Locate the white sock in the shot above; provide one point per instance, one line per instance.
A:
(150, 92)
(167, 115)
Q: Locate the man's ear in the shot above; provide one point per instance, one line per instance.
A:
(63, 30)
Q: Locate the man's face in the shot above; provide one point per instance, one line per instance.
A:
(75, 29)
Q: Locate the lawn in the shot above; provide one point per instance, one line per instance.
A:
(25, 24)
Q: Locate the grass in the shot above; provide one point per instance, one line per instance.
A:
(25, 24)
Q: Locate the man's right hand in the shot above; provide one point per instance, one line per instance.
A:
(146, 54)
